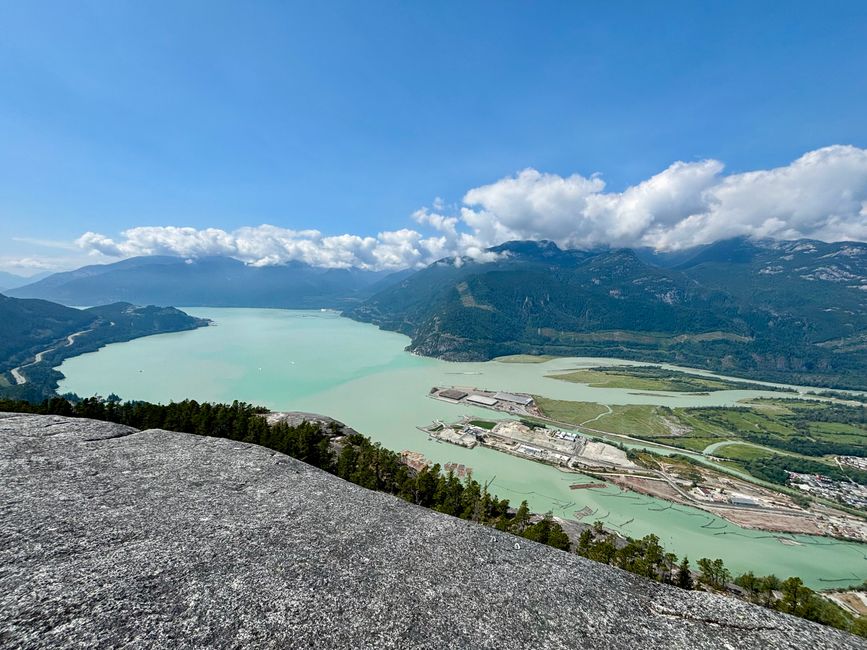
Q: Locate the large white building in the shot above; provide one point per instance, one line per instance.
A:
(523, 400)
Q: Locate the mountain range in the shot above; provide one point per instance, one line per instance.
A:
(775, 310)
(207, 281)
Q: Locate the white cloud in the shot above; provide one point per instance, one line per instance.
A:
(25, 265)
(46, 243)
(438, 222)
(530, 205)
(821, 195)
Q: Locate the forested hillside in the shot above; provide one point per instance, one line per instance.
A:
(36, 335)
(783, 311)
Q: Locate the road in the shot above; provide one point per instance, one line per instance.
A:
(704, 505)
(601, 415)
(19, 377)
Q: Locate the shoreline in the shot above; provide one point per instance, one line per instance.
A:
(364, 400)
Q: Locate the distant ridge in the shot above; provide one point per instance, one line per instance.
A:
(207, 281)
(12, 281)
(777, 310)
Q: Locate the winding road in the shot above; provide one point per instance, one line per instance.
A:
(711, 449)
(19, 377)
(601, 415)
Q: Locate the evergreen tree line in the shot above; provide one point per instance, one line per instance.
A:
(648, 558)
(357, 459)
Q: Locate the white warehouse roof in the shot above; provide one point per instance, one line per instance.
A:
(511, 397)
(481, 399)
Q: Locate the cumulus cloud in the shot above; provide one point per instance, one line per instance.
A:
(821, 195)
(260, 245)
(269, 245)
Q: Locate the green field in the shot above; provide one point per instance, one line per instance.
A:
(806, 428)
(653, 378)
(788, 434)
(743, 452)
(568, 412)
(636, 419)
(525, 358)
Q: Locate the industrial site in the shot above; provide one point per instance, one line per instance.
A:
(671, 478)
(521, 438)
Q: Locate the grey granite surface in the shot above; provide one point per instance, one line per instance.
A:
(111, 537)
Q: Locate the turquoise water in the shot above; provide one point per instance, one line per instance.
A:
(320, 362)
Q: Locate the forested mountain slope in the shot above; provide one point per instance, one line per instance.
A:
(53, 332)
(26, 325)
(786, 311)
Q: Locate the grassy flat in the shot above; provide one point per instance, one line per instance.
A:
(743, 452)
(568, 411)
(525, 358)
(651, 378)
(636, 420)
(763, 437)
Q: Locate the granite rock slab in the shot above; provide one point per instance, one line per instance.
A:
(112, 537)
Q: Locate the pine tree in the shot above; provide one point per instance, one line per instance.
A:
(522, 518)
(585, 542)
(684, 575)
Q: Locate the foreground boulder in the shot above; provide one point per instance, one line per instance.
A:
(115, 537)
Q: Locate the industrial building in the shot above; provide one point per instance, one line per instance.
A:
(523, 400)
(452, 394)
(481, 399)
(742, 500)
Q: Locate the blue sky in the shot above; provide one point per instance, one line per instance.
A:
(348, 117)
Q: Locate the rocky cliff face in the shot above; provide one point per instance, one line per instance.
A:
(114, 537)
